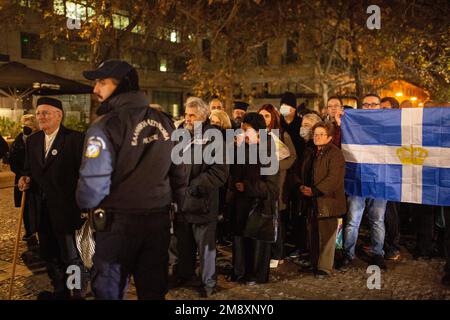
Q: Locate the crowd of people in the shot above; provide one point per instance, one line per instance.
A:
(145, 209)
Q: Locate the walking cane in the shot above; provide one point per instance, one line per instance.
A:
(16, 247)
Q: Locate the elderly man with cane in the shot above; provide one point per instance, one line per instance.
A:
(53, 158)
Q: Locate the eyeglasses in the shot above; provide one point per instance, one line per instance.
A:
(320, 135)
(44, 113)
(371, 105)
(334, 106)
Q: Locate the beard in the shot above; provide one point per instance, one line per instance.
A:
(189, 126)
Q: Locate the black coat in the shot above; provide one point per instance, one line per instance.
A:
(4, 148)
(293, 129)
(55, 178)
(302, 175)
(17, 164)
(264, 188)
(201, 202)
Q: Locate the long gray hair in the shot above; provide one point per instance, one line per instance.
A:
(200, 105)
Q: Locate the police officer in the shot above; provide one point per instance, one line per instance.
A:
(127, 175)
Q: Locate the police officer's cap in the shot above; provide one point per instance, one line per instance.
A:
(116, 69)
(240, 105)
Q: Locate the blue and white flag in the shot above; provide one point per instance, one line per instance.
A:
(398, 154)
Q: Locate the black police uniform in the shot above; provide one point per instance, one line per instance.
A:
(127, 171)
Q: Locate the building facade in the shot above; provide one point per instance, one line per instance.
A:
(27, 42)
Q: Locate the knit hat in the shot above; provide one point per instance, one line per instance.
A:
(289, 99)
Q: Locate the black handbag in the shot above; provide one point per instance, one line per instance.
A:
(261, 226)
(195, 202)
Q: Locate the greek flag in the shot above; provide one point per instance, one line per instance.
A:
(401, 155)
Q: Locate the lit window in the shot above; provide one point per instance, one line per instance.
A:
(75, 10)
(175, 110)
(58, 7)
(90, 12)
(138, 29)
(163, 65)
(175, 37)
(28, 3)
(120, 21)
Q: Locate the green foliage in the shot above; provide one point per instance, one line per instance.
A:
(9, 128)
(75, 124)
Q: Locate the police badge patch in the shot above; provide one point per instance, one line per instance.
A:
(94, 147)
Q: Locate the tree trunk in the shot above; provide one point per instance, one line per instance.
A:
(325, 91)
(356, 66)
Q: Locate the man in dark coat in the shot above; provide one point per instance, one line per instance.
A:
(195, 226)
(17, 163)
(4, 148)
(53, 157)
(291, 122)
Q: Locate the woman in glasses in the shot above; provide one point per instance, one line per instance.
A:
(323, 187)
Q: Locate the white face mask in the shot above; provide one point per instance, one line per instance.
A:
(305, 133)
(285, 110)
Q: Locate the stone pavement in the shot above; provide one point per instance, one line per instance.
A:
(405, 279)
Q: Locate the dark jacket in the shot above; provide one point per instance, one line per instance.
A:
(54, 179)
(127, 163)
(257, 187)
(324, 173)
(293, 129)
(302, 175)
(201, 203)
(285, 166)
(337, 136)
(328, 182)
(4, 148)
(17, 164)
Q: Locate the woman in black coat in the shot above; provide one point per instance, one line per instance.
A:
(251, 257)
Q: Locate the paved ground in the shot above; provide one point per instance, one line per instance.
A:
(405, 279)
